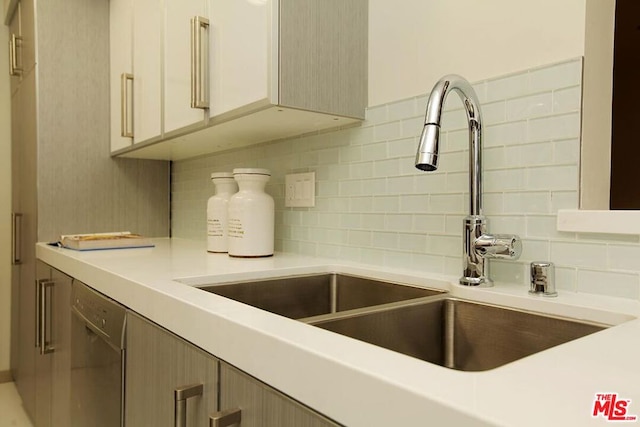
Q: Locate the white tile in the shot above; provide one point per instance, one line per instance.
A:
(621, 285)
(554, 178)
(505, 134)
(564, 200)
(351, 153)
(428, 223)
(400, 185)
(457, 182)
(566, 278)
(412, 242)
(567, 100)
(373, 221)
(507, 224)
(526, 155)
(554, 127)
(507, 87)
(504, 180)
(510, 272)
(377, 151)
(453, 161)
(493, 203)
(398, 222)
(535, 250)
(351, 188)
(402, 109)
(458, 140)
(566, 152)
(445, 245)
(361, 135)
(624, 257)
(385, 240)
(446, 203)
(405, 147)
(350, 221)
(556, 76)
(425, 262)
(386, 204)
(412, 127)
(529, 106)
(359, 238)
(530, 202)
(414, 203)
(387, 131)
(361, 204)
(327, 188)
(542, 226)
(494, 112)
(375, 187)
(361, 170)
(453, 120)
(386, 168)
(579, 254)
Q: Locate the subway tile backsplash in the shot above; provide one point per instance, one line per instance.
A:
(374, 207)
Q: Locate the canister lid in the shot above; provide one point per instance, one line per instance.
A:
(251, 171)
(217, 175)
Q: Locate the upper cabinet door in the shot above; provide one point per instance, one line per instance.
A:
(186, 66)
(147, 66)
(241, 37)
(121, 73)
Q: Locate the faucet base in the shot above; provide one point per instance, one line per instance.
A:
(482, 282)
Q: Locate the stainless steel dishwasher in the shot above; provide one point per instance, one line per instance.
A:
(97, 359)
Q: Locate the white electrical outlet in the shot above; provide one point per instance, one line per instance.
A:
(300, 190)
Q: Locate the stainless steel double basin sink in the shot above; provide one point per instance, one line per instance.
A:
(424, 323)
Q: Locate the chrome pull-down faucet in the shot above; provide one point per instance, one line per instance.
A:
(477, 244)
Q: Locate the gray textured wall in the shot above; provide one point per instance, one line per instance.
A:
(81, 189)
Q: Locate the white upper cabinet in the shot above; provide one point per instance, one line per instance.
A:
(220, 74)
(239, 53)
(186, 35)
(147, 65)
(121, 67)
(135, 43)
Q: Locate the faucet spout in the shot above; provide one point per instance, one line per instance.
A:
(478, 245)
(428, 149)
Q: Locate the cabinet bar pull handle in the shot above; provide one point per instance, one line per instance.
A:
(226, 418)
(181, 394)
(38, 311)
(126, 112)
(14, 68)
(199, 64)
(16, 237)
(45, 314)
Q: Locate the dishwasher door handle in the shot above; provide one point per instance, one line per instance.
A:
(181, 394)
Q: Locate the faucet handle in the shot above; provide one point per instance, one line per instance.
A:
(543, 279)
(503, 246)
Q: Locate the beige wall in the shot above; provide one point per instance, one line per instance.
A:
(5, 202)
(415, 42)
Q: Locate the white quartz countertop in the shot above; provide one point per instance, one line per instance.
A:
(355, 383)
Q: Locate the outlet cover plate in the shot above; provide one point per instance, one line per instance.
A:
(300, 190)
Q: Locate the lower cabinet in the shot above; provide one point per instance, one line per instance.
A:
(170, 382)
(45, 363)
(261, 405)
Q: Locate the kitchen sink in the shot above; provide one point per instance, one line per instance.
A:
(459, 334)
(299, 297)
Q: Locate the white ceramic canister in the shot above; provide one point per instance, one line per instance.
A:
(251, 215)
(217, 211)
